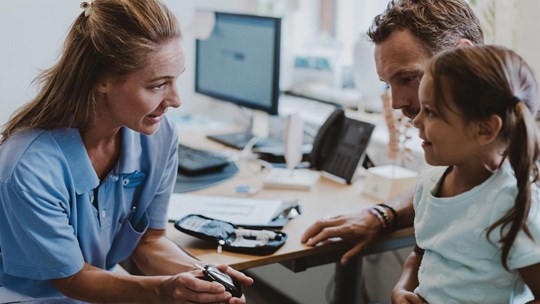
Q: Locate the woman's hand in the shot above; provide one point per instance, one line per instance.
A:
(189, 287)
(237, 276)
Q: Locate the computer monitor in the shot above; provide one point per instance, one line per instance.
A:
(239, 63)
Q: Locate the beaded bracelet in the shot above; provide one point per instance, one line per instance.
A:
(381, 219)
(383, 213)
(394, 214)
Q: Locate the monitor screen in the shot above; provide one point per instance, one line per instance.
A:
(239, 62)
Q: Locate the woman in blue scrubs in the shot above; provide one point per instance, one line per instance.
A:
(88, 167)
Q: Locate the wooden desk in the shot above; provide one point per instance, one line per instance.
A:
(325, 199)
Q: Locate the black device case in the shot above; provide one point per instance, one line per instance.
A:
(225, 234)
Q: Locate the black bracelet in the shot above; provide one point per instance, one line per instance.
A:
(376, 213)
(394, 214)
(382, 212)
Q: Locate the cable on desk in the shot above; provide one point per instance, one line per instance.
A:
(249, 146)
(246, 154)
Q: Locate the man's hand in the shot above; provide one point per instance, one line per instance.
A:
(360, 229)
(406, 297)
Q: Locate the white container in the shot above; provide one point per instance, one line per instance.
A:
(385, 182)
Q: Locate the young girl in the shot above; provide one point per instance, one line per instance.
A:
(477, 219)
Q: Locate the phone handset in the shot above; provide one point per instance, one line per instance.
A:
(326, 138)
(340, 145)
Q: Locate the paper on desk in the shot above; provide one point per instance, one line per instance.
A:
(237, 210)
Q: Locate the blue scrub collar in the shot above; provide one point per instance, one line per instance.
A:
(70, 141)
(77, 157)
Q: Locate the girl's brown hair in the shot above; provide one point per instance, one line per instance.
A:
(114, 40)
(488, 80)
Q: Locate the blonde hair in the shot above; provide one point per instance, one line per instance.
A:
(114, 39)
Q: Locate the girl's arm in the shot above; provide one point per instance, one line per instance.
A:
(531, 278)
(408, 281)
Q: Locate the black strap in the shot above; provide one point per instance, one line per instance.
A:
(95, 200)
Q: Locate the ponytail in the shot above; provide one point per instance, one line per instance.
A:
(523, 152)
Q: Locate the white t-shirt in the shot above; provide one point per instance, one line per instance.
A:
(460, 264)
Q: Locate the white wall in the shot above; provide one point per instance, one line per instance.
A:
(32, 33)
(526, 31)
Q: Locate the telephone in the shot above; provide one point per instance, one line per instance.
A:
(340, 145)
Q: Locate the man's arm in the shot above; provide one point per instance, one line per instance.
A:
(403, 204)
(361, 228)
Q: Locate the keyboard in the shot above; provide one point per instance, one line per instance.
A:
(193, 161)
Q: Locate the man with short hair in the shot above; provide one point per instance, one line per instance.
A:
(406, 36)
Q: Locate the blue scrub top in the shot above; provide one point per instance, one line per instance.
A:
(49, 225)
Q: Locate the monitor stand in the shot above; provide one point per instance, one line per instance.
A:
(258, 126)
(269, 147)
